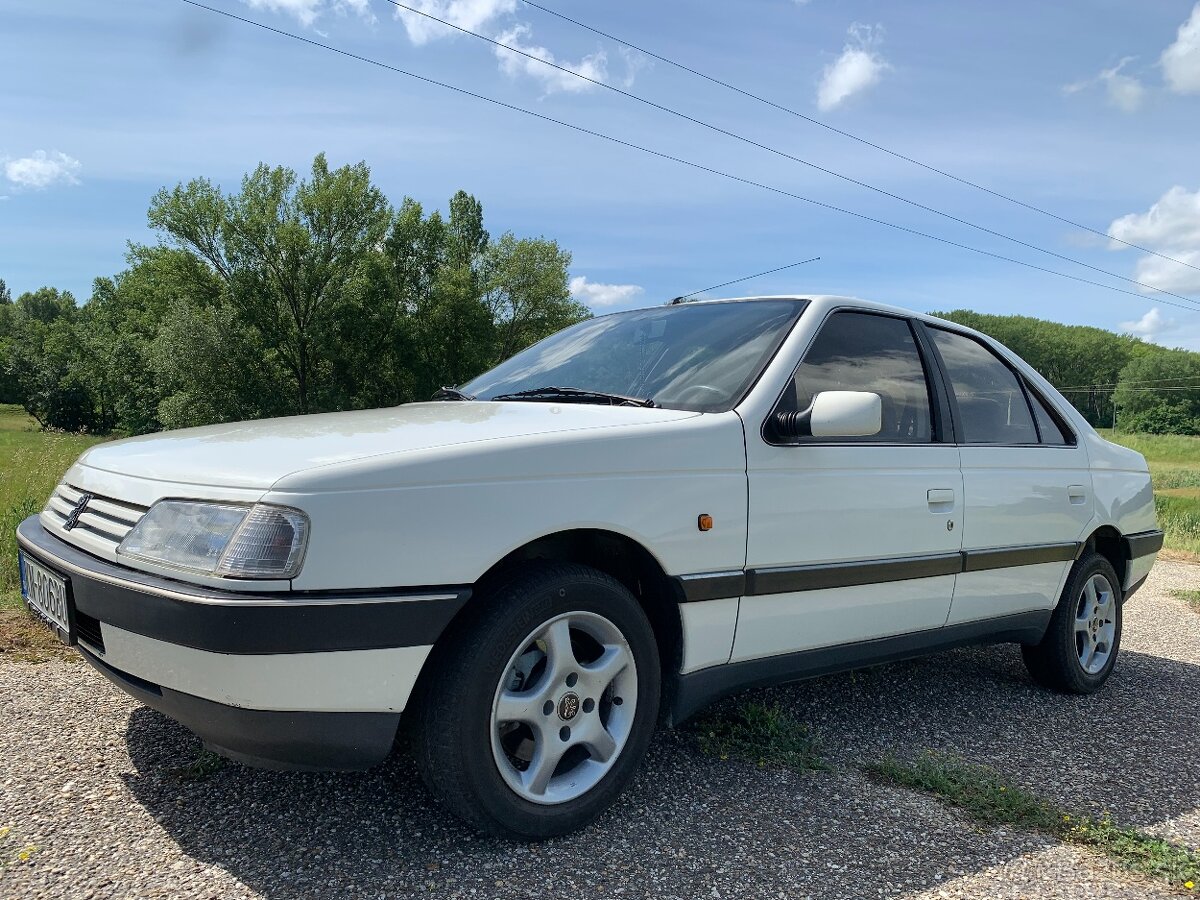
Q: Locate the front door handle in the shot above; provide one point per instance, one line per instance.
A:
(941, 500)
(1076, 494)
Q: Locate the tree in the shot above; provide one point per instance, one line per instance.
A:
(47, 304)
(526, 293)
(289, 295)
(288, 251)
(5, 294)
(1159, 392)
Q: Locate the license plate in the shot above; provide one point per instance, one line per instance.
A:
(45, 594)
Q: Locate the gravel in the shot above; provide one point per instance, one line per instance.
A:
(89, 778)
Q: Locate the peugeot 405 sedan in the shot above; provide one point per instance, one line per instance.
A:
(641, 513)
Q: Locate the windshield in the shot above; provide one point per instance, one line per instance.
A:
(701, 357)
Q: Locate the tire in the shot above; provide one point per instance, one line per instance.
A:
(1087, 619)
(501, 693)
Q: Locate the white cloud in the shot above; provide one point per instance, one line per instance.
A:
(42, 169)
(1149, 326)
(594, 66)
(1171, 227)
(308, 11)
(859, 67)
(594, 293)
(1181, 61)
(1125, 92)
(473, 15)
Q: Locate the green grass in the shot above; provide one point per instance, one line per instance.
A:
(1174, 461)
(759, 734)
(992, 801)
(1191, 598)
(31, 463)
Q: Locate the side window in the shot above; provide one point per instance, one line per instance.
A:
(991, 403)
(1048, 427)
(864, 352)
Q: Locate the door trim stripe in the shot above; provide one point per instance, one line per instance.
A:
(794, 579)
(1008, 557)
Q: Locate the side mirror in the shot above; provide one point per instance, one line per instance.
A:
(834, 414)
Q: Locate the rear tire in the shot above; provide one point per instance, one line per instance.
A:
(1080, 647)
(539, 706)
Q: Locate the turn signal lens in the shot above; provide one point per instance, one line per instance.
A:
(704, 522)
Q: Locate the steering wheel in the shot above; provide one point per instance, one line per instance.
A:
(692, 388)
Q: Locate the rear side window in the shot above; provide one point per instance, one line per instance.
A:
(863, 352)
(992, 408)
(1051, 432)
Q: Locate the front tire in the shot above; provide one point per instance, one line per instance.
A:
(1081, 644)
(538, 710)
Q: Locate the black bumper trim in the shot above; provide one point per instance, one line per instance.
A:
(311, 741)
(288, 622)
(1142, 544)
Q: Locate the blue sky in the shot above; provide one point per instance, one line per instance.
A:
(1089, 109)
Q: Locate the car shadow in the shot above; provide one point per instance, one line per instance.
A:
(692, 824)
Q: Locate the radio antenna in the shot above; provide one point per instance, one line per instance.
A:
(683, 298)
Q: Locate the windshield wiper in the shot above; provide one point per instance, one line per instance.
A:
(576, 395)
(450, 393)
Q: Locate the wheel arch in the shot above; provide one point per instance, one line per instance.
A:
(1109, 543)
(615, 554)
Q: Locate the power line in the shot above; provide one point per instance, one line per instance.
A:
(700, 167)
(894, 153)
(802, 262)
(777, 152)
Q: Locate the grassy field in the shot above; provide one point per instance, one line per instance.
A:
(31, 462)
(1175, 470)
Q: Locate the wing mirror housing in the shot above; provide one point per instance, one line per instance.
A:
(833, 414)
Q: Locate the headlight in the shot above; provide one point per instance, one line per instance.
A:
(260, 541)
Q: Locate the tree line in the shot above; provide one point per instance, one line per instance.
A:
(290, 295)
(298, 295)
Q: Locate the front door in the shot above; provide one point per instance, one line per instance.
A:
(852, 539)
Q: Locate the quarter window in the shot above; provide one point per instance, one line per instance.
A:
(864, 352)
(992, 408)
(1048, 427)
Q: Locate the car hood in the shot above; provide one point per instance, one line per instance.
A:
(257, 454)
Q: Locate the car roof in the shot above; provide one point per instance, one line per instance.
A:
(826, 301)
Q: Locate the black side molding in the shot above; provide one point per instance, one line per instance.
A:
(1007, 557)
(790, 579)
(832, 575)
(1142, 544)
(696, 690)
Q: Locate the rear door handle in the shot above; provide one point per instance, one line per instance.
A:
(1076, 494)
(941, 500)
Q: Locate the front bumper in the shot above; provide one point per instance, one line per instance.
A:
(284, 680)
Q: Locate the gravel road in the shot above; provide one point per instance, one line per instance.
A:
(90, 779)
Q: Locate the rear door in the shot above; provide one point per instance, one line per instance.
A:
(1026, 482)
(851, 539)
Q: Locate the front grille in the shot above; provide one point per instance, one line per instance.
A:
(99, 528)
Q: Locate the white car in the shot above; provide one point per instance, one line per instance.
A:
(640, 514)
